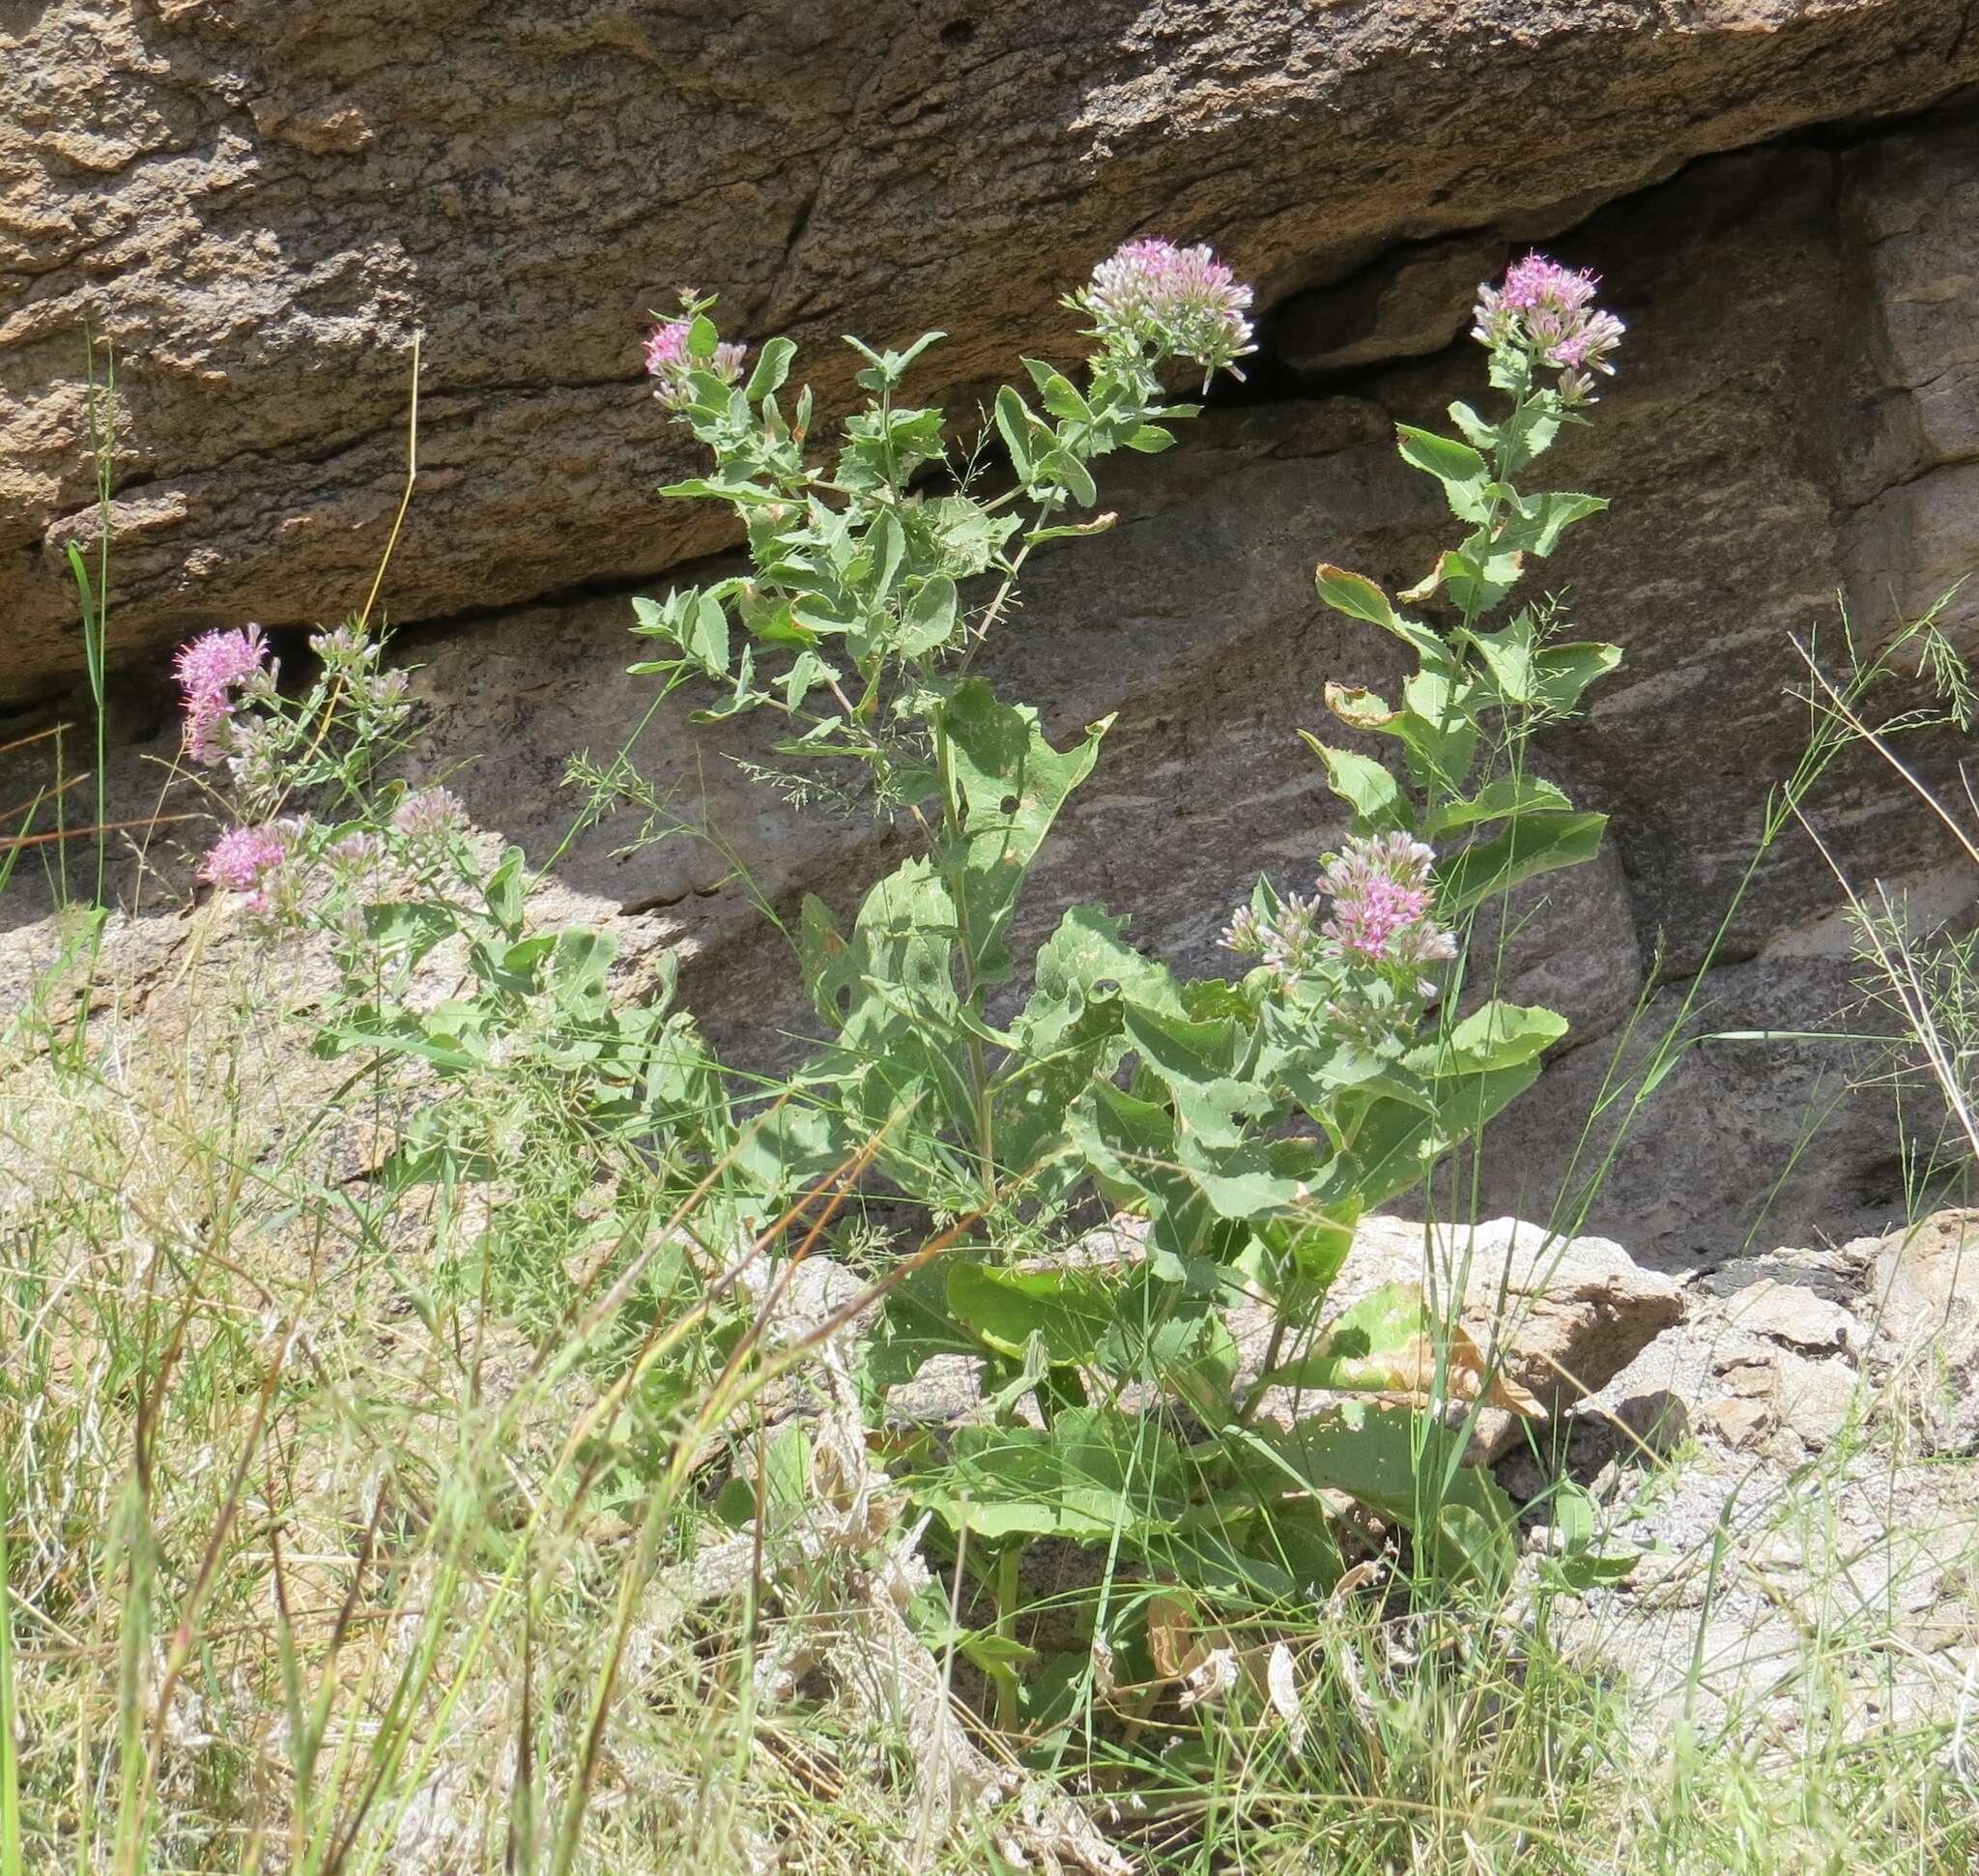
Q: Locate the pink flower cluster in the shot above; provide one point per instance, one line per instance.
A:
(1382, 900)
(430, 815)
(669, 363)
(1547, 310)
(1288, 940)
(1181, 299)
(211, 672)
(244, 860)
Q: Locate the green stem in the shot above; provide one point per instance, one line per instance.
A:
(954, 867)
(1007, 1591)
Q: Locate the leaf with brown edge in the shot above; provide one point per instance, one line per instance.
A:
(1358, 706)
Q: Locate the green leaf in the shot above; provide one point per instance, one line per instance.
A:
(580, 967)
(1500, 1035)
(1071, 1307)
(1361, 598)
(1376, 1346)
(1562, 672)
(1476, 1546)
(650, 620)
(416, 927)
(1400, 1463)
(1526, 434)
(1097, 1473)
(1058, 393)
(1151, 440)
(1497, 800)
(707, 636)
(1013, 784)
(1532, 845)
(1015, 423)
(1355, 595)
(930, 620)
(772, 368)
(1481, 433)
(1475, 581)
(1062, 467)
(1394, 1145)
(1464, 473)
(1362, 782)
(504, 891)
(1543, 518)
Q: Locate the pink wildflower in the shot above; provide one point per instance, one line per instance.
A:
(1381, 895)
(1180, 298)
(429, 814)
(242, 859)
(669, 363)
(209, 671)
(1547, 311)
(1287, 941)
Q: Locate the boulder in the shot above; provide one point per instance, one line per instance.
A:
(1924, 1287)
(262, 204)
(1557, 1318)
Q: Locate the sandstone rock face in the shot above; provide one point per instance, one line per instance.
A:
(259, 203)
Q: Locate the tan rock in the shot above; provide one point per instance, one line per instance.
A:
(1557, 1318)
(1924, 1287)
(260, 203)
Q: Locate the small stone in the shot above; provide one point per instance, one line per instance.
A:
(1740, 1421)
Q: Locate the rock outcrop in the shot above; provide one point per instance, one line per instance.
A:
(1798, 417)
(260, 203)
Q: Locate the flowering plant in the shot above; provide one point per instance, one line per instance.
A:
(1247, 1123)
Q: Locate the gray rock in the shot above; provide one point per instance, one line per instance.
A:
(1926, 1288)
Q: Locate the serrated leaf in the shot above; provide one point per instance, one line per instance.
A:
(1497, 800)
(1532, 845)
(1358, 707)
(1062, 467)
(1499, 1035)
(930, 620)
(1015, 423)
(1362, 782)
(1464, 473)
(1356, 596)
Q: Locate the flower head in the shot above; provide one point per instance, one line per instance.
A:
(243, 859)
(211, 671)
(430, 814)
(1546, 313)
(1382, 902)
(1178, 299)
(1287, 940)
(669, 361)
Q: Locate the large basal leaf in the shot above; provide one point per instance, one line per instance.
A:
(1097, 1472)
(1071, 1307)
(1398, 1463)
(1394, 1147)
